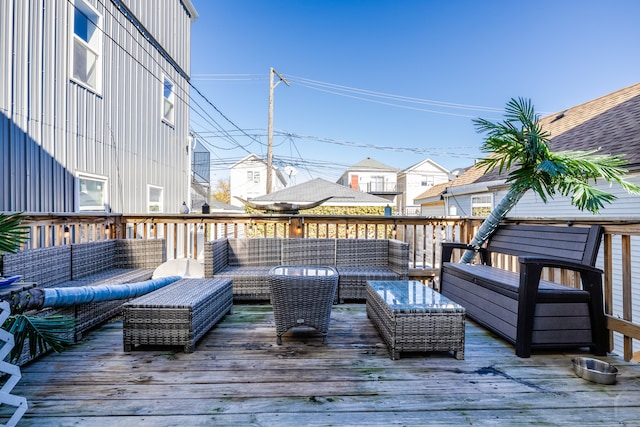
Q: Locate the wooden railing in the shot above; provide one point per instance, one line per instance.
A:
(186, 234)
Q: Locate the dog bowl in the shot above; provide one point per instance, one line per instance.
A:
(595, 370)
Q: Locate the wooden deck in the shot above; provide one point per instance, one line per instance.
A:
(238, 376)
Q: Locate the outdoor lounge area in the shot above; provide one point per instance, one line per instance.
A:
(238, 375)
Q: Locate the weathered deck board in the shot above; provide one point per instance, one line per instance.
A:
(239, 376)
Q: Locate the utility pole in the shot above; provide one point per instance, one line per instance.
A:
(272, 86)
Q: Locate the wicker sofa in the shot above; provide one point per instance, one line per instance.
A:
(247, 261)
(87, 264)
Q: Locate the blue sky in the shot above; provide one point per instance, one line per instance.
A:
(398, 81)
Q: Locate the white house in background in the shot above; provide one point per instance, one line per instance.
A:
(94, 105)
(373, 177)
(248, 179)
(415, 180)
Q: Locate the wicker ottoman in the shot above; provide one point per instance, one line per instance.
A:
(302, 296)
(410, 316)
(178, 314)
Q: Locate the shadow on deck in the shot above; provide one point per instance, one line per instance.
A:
(239, 376)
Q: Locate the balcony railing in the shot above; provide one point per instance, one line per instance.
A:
(380, 187)
(186, 234)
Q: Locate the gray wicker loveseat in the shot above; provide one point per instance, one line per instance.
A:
(113, 261)
(248, 260)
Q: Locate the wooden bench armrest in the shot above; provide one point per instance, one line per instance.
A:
(557, 263)
(448, 247)
(530, 272)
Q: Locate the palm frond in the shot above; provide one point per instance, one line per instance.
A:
(582, 166)
(42, 333)
(12, 233)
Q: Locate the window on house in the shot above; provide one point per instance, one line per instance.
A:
(91, 193)
(256, 177)
(168, 100)
(481, 205)
(377, 183)
(427, 181)
(155, 200)
(87, 46)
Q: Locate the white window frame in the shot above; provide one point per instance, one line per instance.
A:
(82, 176)
(91, 47)
(427, 181)
(168, 100)
(376, 183)
(481, 202)
(256, 177)
(152, 203)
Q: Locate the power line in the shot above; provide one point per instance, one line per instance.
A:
(339, 88)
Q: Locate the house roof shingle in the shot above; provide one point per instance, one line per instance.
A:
(610, 123)
(318, 189)
(370, 164)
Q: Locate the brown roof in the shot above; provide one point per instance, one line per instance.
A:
(467, 177)
(611, 123)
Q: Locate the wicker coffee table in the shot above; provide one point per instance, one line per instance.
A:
(176, 315)
(302, 296)
(410, 316)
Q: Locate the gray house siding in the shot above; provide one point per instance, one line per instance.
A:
(52, 128)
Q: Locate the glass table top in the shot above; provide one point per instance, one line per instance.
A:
(411, 295)
(302, 270)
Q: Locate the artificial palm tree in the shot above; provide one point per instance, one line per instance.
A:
(518, 145)
(41, 332)
(12, 233)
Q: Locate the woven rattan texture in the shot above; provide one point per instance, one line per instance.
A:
(176, 315)
(249, 283)
(425, 330)
(362, 252)
(92, 314)
(216, 256)
(302, 301)
(45, 266)
(255, 252)
(140, 253)
(309, 252)
(353, 281)
(399, 258)
(358, 260)
(93, 257)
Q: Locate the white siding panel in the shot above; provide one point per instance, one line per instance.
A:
(51, 128)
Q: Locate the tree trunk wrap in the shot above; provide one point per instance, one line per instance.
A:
(490, 224)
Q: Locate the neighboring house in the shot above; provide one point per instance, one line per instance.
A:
(94, 105)
(318, 189)
(433, 203)
(610, 123)
(373, 177)
(415, 180)
(248, 179)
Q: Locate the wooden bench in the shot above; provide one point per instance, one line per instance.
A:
(529, 312)
(176, 315)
